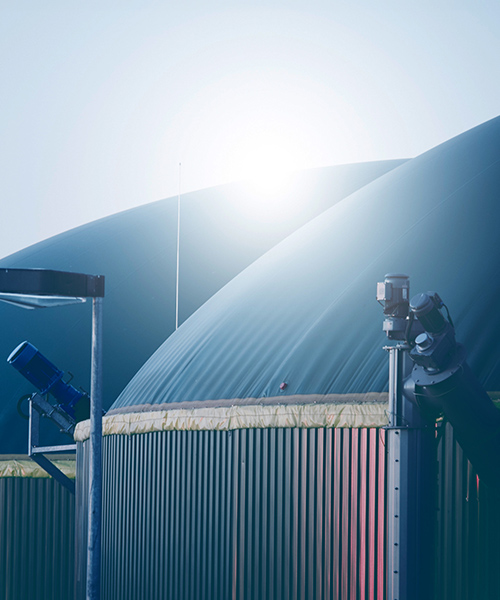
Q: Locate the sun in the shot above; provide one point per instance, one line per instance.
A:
(266, 159)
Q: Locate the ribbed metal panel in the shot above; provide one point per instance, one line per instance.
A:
(273, 513)
(278, 513)
(81, 517)
(308, 514)
(166, 513)
(37, 539)
(468, 548)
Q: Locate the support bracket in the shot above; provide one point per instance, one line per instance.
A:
(39, 406)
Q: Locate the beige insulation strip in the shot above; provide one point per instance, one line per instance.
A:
(29, 468)
(270, 400)
(242, 417)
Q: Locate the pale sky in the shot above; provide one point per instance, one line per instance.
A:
(101, 101)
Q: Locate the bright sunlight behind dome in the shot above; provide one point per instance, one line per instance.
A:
(266, 159)
(261, 130)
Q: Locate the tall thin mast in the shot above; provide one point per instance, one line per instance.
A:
(178, 251)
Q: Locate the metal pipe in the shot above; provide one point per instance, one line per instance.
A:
(396, 358)
(474, 418)
(443, 382)
(95, 474)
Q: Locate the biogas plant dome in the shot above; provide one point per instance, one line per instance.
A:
(248, 457)
(301, 327)
(223, 230)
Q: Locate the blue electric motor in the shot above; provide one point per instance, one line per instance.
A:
(46, 377)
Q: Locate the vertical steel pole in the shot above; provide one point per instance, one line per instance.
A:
(34, 428)
(178, 252)
(396, 500)
(410, 491)
(396, 357)
(95, 475)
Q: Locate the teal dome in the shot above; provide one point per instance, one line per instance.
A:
(302, 321)
(136, 251)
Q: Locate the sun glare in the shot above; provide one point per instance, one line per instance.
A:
(267, 161)
(262, 130)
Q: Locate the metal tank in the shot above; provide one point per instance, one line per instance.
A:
(276, 513)
(249, 513)
(37, 531)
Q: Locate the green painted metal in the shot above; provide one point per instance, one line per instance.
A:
(37, 539)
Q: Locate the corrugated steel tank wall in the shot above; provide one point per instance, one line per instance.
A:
(276, 513)
(271, 513)
(468, 528)
(82, 523)
(37, 539)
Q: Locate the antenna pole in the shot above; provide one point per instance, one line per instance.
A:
(178, 252)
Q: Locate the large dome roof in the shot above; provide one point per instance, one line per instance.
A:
(136, 251)
(305, 314)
